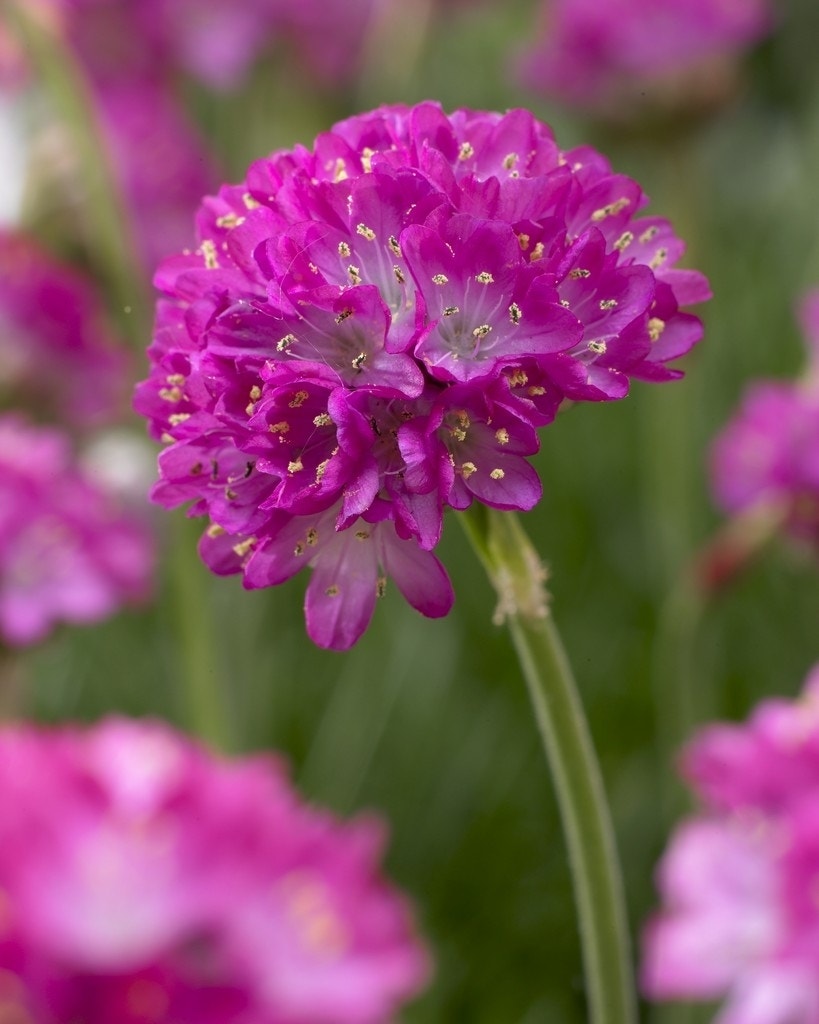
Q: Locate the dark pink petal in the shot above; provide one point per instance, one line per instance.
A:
(341, 594)
(418, 574)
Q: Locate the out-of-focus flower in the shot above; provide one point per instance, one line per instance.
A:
(145, 881)
(68, 552)
(330, 36)
(767, 457)
(609, 57)
(160, 160)
(57, 350)
(127, 56)
(739, 881)
(131, 54)
(371, 332)
(215, 41)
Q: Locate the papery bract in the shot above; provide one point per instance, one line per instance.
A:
(371, 332)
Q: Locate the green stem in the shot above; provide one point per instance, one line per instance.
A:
(109, 231)
(676, 690)
(199, 666)
(681, 701)
(516, 572)
(393, 47)
(12, 684)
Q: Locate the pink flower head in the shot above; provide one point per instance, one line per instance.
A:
(68, 552)
(371, 332)
(145, 880)
(738, 882)
(767, 457)
(596, 55)
(56, 347)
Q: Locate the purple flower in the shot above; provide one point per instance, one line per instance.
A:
(141, 115)
(57, 351)
(329, 36)
(767, 457)
(68, 552)
(215, 41)
(739, 880)
(371, 332)
(146, 880)
(603, 56)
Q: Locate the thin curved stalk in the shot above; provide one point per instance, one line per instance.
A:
(517, 574)
(198, 654)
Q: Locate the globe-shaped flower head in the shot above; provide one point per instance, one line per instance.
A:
(372, 331)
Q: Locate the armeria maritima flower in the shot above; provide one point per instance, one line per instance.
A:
(58, 352)
(602, 55)
(766, 460)
(146, 882)
(372, 331)
(68, 551)
(741, 919)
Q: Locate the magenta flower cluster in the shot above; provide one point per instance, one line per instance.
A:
(738, 882)
(58, 353)
(68, 553)
(598, 54)
(766, 460)
(146, 881)
(217, 41)
(372, 332)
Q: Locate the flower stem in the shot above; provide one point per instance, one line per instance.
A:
(515, 571)
(682, 702)
(12, 684)
(198, 662)
(394, 43)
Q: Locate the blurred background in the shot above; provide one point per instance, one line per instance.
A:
(425, 721)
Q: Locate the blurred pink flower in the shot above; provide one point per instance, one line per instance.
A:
(147, 881)
(68, 552)
(330, 36)
(767, 457)
(160, 160)
(57, 349)
(599, 54)
(129, 57)
(739, 881)
(215, 41)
